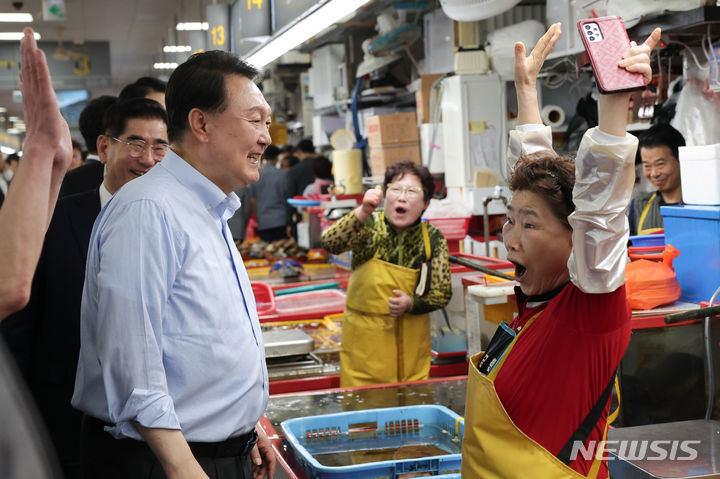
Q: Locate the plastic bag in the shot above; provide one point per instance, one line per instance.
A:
(649, 284)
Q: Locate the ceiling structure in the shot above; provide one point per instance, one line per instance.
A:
(135, 29)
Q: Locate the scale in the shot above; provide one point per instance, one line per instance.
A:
(290, 354)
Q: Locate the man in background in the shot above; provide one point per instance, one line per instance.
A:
(89, 175)
(45, 336)
(658, 148)
(298, 177)
(268, 198)
(145, 87)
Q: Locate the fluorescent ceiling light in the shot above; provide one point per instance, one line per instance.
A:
(188, 26)
(6, 149)
(165, 66)
(16, 36)
(296, 34)
(16, 17)
(176, 48)
(13, 131)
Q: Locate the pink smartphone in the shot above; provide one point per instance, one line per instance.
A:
(605, 41)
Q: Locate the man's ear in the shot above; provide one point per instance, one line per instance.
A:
(102, 144)
(198, 124)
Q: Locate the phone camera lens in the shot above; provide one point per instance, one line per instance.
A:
(587, 27)
(592, 39)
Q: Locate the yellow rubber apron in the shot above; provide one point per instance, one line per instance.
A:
(644, 214)
(377, 348)
(493, 446)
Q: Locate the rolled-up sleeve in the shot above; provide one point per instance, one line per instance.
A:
(604, 178)
(136, 268)
(526, 140)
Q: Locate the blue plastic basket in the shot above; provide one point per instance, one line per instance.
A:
(648, 240)
(333, 433)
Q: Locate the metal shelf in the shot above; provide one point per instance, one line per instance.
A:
(689, 23)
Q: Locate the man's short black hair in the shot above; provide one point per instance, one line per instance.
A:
(200, 83)
(306, 146)
(12, 157)
(90, 122)
(117, 116)
(662, 134)
(271, 152)
(142, 87)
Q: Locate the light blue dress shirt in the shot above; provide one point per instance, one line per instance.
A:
(169, 330)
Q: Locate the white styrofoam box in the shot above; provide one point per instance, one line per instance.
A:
(325, 74)
(474, 198)
(303, 234)
(324, 126)
(438, 38)
(497, 248)
(700, 174)
(426, 143)
(565, 12)
(479, 330)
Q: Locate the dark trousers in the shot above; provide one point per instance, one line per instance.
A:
(104, 457)
(273, 234)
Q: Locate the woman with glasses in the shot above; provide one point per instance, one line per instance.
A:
(400, 273)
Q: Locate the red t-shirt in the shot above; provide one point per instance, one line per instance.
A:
(560, 366)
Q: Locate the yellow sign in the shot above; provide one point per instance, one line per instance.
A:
(257, 3)
(81, 64)
(477, 127)
(218, 35)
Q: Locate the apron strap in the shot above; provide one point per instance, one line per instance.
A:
(644, 214)
(426, 240)
(588, 424)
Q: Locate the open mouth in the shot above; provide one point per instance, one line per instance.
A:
(519, 269)
(400, 210)
(137, 172)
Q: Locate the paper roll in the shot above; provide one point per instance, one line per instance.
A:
(347, 170)
(552, 115)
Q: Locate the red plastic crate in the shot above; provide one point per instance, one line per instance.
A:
(264, 297)
(451, 228)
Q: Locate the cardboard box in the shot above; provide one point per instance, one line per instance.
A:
(381, 158)
(279, 133)
(396, 129)
(422, 98)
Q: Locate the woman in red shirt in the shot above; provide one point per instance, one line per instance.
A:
(538, 397)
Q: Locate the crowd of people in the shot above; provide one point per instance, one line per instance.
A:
(131, 318)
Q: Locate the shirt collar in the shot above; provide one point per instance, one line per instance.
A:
(92, 157)
(209, 193)
(104, 195)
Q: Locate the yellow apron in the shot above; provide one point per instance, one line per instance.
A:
(493, 446)
(644, 214)
(377, 348)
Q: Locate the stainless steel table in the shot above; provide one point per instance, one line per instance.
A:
(687, 449)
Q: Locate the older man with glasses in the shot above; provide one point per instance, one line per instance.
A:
(45, 336)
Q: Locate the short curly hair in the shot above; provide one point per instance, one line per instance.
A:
(402, 168)
(549, 176)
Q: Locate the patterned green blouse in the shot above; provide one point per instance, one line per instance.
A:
(405, 248)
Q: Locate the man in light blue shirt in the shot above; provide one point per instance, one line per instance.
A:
(172, 363)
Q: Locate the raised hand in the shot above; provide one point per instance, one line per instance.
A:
(613, 107)
(526, 73)
(637, 58)
(46, 128)
(527, 68)
(371, 201)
